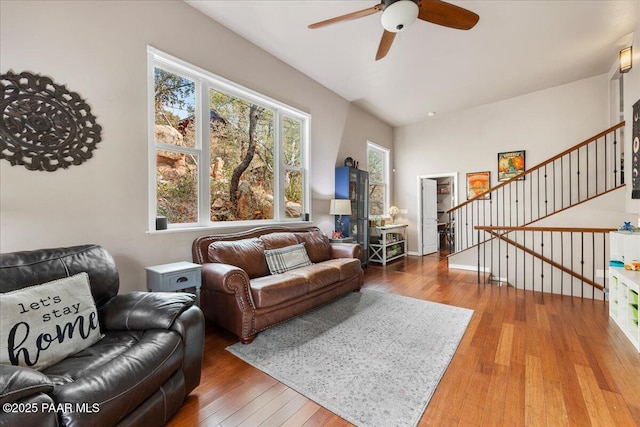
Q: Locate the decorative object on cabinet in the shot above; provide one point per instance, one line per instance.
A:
(43, 125)
(348, 162)
(340, 207)
(624, 284)
(478, 183)
(511, 164)
(626, 226)
(393, 213)
(391, 245)
(353, 184)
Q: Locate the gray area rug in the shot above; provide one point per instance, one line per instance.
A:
(372, 358)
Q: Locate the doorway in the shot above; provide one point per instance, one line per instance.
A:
(436, 195)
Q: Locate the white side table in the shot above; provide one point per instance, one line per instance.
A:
(174, 277)
(392, 244)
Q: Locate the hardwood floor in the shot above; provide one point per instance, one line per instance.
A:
(526, 359)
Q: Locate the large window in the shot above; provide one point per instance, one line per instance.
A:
(378, 167)
(220, 153)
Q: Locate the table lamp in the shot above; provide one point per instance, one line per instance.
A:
(340, 207)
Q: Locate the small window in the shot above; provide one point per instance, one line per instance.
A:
(378, 167)
(222, 153)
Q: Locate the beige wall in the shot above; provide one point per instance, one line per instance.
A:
(543, 123)
(98, 49)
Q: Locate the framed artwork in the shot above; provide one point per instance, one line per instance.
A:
(510, 164)
(478, 183)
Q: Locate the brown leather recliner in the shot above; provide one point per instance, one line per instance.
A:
(139, 373)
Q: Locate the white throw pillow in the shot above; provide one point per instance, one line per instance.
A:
(287, 258)
(43, 324)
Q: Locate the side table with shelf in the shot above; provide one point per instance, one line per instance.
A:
(392, 244)
(176, 276)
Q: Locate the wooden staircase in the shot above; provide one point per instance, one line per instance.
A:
(565, 260)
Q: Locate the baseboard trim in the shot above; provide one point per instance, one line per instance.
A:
(469, 267)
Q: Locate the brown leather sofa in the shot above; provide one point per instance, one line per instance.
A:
(239, 293)
(138, 374)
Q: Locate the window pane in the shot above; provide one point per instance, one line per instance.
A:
(242, 165)
(291, 130)
(376, 199)
(177, 186)
(293, 194)
(174, 109)
(376, 165)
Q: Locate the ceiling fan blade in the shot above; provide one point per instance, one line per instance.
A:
(447, 15)
(385, 44)
(348, 16)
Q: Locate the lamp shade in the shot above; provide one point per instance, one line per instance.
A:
(340, 207)
(625, 59)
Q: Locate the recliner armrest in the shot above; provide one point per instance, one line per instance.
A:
(145, 310)
(190, 326)
(18, 382)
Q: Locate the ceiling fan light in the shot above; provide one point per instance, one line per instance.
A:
(400, 15)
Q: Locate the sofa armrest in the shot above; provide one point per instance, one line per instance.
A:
(228, 279)
(145, 310)
(346, 250)
(17, 383)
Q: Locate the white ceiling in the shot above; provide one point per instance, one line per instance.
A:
(517, 47)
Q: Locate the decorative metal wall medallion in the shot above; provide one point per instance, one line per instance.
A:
(43, 126)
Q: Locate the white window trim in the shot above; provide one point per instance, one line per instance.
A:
(387, 182)
(205, 81)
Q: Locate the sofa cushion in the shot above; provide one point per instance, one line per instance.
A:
(247, 254)
(118, 374)
(44, 324)
(348, 267)
(316, 243)
(318, 275)
(287, 258)
(278, 240)
(271, 290)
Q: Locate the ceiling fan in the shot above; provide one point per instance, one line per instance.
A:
(398, 15)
